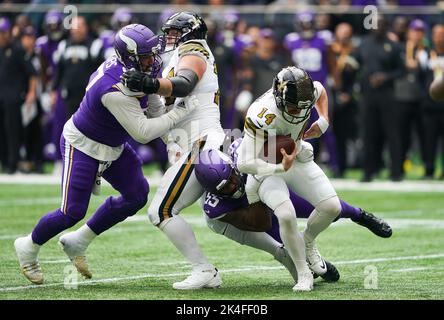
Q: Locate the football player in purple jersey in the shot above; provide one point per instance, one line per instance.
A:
(52, 103)
(228, 212)
(309, 50)
(94, 145)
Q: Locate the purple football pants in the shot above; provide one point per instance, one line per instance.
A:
(79, 172)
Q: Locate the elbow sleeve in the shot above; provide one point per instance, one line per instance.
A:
(184, 82)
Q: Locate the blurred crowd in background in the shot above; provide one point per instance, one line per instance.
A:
(377, 79)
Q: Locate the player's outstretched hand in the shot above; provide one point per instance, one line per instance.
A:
(288, 159)
(139, 82)
(313, 132)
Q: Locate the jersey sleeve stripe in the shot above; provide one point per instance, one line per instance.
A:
(253, 129)
(191, 46)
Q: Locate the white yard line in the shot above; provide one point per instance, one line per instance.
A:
(410, 269)
(339, 184)
(128, 225)
(235, 270)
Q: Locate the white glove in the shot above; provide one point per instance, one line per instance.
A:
(174, 152)
(306, 153)
(45, 102)
(243, 101)
(182, 107)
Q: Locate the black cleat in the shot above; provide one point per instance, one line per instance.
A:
(376, 225)
(332, 274)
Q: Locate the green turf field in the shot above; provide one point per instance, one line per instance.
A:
(134, 260)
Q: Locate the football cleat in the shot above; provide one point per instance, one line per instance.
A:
(332, 274)
(27, 253)
(314, 259)
(76, 253)
(201, 277)
(376, 225)
(305, 282)
(284, 258)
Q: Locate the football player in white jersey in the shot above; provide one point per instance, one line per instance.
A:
(285, 110)
(191, 70)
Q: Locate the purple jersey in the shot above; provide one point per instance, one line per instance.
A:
(46, 48)
(92, 118)
(309, 54)
(107, 41)
(216, 207)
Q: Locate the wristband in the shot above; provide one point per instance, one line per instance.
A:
(323, 124)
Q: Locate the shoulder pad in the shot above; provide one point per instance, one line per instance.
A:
(193, 47)
(291, 37)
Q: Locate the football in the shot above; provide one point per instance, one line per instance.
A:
(272, 148)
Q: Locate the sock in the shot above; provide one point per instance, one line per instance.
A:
(348, 211)
(32, 251)
(290, 235)
(182, 236)
(85, 235)
(50, 225)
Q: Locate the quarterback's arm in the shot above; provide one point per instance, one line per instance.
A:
(248, 160)
(253, 218)
(321, 104)
(321, 125)
(127, 111)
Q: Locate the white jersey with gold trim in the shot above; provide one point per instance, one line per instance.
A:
(264, 117)
(204, 120)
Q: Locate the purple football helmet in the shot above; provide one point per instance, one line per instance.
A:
(217, 174)
(5, 24)
(54, 24)
(305, 24)
(134, 43)
(121, 18)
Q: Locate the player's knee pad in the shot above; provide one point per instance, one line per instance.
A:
(68, 220)
(285, 212)
(156, 215)
(76, 210)
(273, 192)
(153, 214)
(138, 198)
(331, 207)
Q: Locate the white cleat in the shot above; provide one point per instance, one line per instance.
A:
(284, 258)
(305, 282)
(76, 253)
(201, 277)
(27, 252)
(314, 259)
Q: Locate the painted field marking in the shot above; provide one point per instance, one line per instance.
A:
(235, 270)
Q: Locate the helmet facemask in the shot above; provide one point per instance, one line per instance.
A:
(294, 96)
(225, 186)
(136, 48)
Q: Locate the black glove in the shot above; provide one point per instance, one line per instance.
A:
(139, 82)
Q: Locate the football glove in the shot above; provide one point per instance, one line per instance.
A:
(138, 81)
